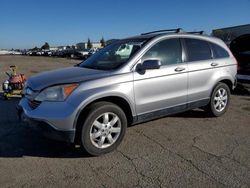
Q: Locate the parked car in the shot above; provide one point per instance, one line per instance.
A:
(165, 72)
(69, 53)
(83, 54)
(92, 51)
(47, 53)
(59, 53)
(13, 52)
(243, 76)
(29, 52)
(241, 49)
(34, 53)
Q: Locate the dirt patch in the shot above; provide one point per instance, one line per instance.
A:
(246, 108)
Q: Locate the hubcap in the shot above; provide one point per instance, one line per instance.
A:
(105, 130)
(220, 100)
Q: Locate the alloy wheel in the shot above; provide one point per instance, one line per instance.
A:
(220, 100)
(105, 130)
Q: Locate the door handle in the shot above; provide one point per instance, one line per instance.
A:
(179, 69)
(214, 64)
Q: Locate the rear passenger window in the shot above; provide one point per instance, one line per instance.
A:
(198, 50)
(218, 51)
(167, 51)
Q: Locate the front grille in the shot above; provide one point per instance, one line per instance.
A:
(34, 104)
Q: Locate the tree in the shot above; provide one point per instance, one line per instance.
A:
(45, 46)
(89, 44)
(35, 49)
(102, 41)
(108, 42)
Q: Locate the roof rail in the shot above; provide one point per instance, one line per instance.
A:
(178, 30)
(196, 32)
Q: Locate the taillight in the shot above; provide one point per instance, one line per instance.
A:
(238, 67)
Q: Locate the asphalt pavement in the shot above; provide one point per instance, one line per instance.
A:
(184, 150)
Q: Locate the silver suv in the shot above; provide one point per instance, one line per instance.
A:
(130, 81)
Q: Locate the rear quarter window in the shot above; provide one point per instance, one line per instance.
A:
(198, 50)
(218, 51)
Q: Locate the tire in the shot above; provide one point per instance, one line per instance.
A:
(219, 101)
(104, 121)
(5, 96)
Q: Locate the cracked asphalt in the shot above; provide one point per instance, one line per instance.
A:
(184, 150)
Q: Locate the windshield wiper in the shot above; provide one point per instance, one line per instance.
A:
(77, 65)
(91, 67)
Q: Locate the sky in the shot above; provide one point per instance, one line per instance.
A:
(28, 23)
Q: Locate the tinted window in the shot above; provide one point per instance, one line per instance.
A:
(168, 52)
(218, 51)
(198, 50)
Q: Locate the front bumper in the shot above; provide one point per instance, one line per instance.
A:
(52, 120)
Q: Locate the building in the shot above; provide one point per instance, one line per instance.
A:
(230, 34)
(97, 45)
(237, 38)
(10, 52)
(4, 52)
(84, 45)
(60, 48)
(53, 48)
(81, 46)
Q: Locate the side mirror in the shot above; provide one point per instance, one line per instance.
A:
(150, 64)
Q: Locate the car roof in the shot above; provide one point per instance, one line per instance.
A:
(176, 33)
(165, 32)
(155, 35)
(198, 35)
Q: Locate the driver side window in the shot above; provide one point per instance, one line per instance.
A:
(168, 51)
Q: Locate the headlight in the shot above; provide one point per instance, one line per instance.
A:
(56, 93)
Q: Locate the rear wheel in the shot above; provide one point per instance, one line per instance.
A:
(219, 101)
(103, 129)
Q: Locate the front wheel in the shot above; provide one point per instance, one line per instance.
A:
(103, 129)
(219, 101)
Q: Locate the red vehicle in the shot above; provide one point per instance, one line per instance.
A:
(14, 84)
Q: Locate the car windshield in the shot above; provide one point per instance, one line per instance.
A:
(113, 55)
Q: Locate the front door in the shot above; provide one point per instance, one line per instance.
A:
(161, 89)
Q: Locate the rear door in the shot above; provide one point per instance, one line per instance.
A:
(200, 69)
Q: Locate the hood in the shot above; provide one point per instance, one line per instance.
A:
(64, 76)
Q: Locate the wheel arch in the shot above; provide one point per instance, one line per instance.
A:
(226, 81)
(118, 100)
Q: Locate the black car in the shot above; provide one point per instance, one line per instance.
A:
(243, 59)
(241, 50)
